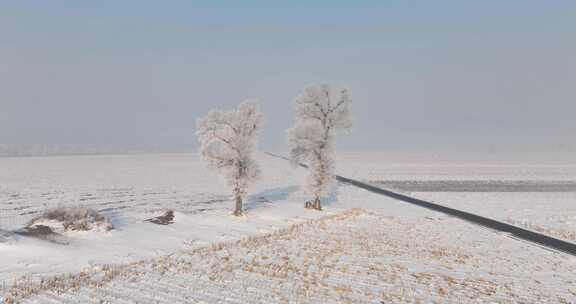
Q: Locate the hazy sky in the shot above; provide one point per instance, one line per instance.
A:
(422, 73)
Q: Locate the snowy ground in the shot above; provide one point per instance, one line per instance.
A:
(388, 251)
(533, 192)
(130, 189)
(553, 214)
(434, 166)
(359, 256)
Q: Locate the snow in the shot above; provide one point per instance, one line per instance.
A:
(434, 165)
(384, 251)
(553, 213)
(129, 190)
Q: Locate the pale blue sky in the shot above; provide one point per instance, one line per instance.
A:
(422, 73)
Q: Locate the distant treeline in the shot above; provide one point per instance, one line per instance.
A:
(17, 150)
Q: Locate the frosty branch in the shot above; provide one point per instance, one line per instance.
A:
(227, 142)
(321, 111)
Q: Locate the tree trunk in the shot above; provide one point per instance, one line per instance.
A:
(238, 210)
(317, 204)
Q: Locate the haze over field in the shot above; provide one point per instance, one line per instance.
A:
(453, 74)
(333, 151)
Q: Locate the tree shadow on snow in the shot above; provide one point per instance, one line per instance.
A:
(268, 197)
(332, 196)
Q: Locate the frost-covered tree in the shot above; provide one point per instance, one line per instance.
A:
(321, 112)
(228, 140)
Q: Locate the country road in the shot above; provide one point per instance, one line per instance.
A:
(511, 230)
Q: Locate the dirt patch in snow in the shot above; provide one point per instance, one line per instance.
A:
(166, 218)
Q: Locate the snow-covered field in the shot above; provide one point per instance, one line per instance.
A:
(553, 214)
(435, 166)
(130, 189)
(386, 251)
(534, 192)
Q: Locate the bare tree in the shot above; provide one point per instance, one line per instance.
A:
(228, 140)
(321, 111)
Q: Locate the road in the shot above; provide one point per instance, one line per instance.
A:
(513, 231)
